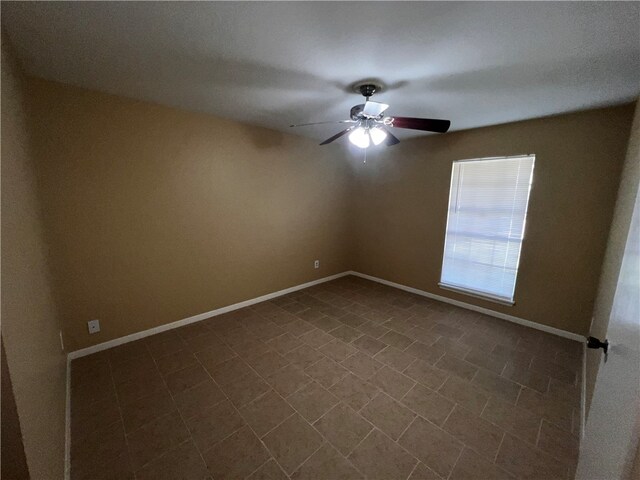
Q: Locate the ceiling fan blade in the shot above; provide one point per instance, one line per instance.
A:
(321, 123)
(391, 139)
(337, 135)
(374, 109)
(425, 124)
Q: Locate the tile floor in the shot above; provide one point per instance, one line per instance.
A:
(347, 379)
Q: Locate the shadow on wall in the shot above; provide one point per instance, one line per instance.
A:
(262, 138)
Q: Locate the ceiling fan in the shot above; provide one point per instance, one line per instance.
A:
(371, 126)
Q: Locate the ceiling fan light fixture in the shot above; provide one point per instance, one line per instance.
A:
(378, 135)
(360, 138)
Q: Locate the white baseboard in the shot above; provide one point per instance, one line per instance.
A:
(67, 425)
(468, 306)
(196, 318)
(583, 393)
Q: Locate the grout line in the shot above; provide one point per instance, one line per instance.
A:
(495, 458)
(457, 460)
(184, 422)
(240, 414)
(413, 470)
(124, 430)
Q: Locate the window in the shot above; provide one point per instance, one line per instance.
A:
(485, 226)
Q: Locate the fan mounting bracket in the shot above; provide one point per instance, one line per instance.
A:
(366, 88)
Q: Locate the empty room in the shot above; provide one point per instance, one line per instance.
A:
(320, 240)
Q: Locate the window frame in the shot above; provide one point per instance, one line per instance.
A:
(474, 293)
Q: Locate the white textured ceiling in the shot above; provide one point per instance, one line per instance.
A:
(273, 64)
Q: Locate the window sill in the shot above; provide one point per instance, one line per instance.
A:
(479, 295)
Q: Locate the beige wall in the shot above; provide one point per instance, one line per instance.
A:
(29, 321)
(615, 251)
(400, 206)
(157, 214)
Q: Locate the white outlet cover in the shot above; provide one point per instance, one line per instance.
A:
(316, 264)
(94, 326)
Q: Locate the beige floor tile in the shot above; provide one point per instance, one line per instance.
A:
(326, 372)
(213, 424)
(196, 399)
(297, 328)
(186, 378)
(326, 463)
(362, 365)
(396, 340)
(464, 393)
(230, 371)
(175, 361)
(452, 347)
(557, 412)
(476, 433)
(316, 338)
(132, 390)
(392, 382)
(422, 472)
(93, 416)
(292, 442)
(471, 466)
(373, 329)
(521, 374)
(285, 343)
(211, 357)
(558, 443)
(425, 374)
(431, 445)
(97, 450)
(203, 342)
(399, 325)
(346, 333)
(266, 412)
(458, 367)
(388, 415)
(354, 391)
(343, 427)
(287, 380)
(554, 370)
(519, 422)
(337, 350)
(312, 401)
(141, 411)
(159, 349)
(304, 356)
(269, 471)
(368, 345)
(394, 358)
(497, 386)
(156, 438)
(267, 363)
(379, 457)
(446, 331)
(246, 390)
(486, 360)
(527, 462)
(236, 456)
(251, 348)
(428, 404)
(179, 463)
(135, 369)
(425, 352)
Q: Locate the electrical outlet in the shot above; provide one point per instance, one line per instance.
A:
(94, 326)
(316, 264)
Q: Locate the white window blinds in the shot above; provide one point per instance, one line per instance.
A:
(485, 226)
